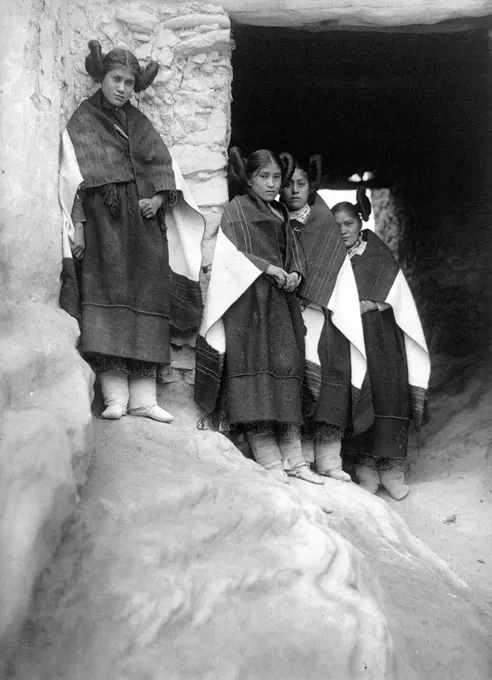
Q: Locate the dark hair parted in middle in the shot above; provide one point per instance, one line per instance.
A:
(98, 65)
(242, 169)
(362, 208)
(313, 169)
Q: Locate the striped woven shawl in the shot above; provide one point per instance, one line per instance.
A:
(330, 285)
(92, 155)
(244, 249)
(379, 278)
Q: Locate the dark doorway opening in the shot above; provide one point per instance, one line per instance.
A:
(414, 108)
(378, 100)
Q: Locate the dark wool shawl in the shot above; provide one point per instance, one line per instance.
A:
(380, 279)
(375, 270)
(101, 156)
(245, 238)
(330, 284)
(96, 155)
(247, 222)
(325, 253)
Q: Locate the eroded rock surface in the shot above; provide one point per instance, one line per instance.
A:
(186, 561)
(370, 14)
(45, 387)
(45, 446)
(450, 505)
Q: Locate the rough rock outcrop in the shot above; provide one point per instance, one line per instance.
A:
(186, 561)
(45, 447)
(370, 14)
(45, 387)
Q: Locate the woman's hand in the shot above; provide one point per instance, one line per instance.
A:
(368, 306)
(78, 246)
(293, 280)
(278, 274)
(149, 206)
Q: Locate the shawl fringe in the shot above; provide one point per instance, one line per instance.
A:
(82, 163)
(240, 257)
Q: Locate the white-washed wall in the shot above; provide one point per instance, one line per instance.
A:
(188, 102)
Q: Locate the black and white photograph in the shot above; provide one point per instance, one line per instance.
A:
(246, 340)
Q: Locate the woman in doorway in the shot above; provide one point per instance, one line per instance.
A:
(335, 363)
(397, 355)
(250, 362)
(122, 195)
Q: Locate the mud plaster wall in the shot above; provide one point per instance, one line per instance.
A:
(188, 102)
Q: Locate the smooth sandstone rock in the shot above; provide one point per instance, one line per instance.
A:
(370, 14)
(186, 556)
(37, 490)
(45, 387)
(47, 381)
(45, 447)
(42, 369)
(29, 129)
(192, 20)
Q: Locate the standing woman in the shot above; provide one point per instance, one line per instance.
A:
(250, 362)
(397, 355)
(123, 198)
(335, 355)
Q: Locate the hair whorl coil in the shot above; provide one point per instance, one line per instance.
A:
(363, 205)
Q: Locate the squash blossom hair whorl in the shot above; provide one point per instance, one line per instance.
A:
(242, 169)
(313, 169)
(361, 209)
(98, 65)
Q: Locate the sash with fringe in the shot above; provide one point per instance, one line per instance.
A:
(92, 156)
(330, 285)
(379, 278)
(242, 254)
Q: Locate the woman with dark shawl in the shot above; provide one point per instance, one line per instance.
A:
(250, 363)
(397, 355)
(335, 356)
(124, 200)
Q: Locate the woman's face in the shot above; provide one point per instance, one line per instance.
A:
(118, 85)
(350, 227)
(296, 192)
(266, 182)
